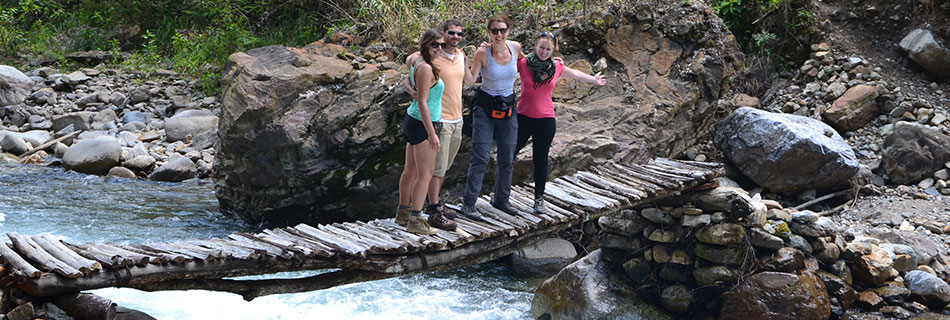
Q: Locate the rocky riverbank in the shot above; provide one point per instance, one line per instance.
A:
(109, 122)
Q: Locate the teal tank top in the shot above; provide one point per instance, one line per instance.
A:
(434, 102)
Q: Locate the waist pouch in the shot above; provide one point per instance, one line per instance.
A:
(496, 107)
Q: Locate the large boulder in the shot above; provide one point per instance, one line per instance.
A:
(586, 290)
(913, 152)
(189, 122)
(14, 86)
(855, 108)
(548, 255)
(784, 152)
(777, 295)
(303, 136)
(923, 48)
(93, 156)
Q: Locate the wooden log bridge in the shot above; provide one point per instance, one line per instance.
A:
(42, 266)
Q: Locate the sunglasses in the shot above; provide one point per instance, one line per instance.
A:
(453, 33)
(499, 30)
(546, 34)
(438, 45)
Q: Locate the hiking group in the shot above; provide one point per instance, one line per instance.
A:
(433, 123)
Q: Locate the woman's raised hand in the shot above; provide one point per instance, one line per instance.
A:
(600, 79)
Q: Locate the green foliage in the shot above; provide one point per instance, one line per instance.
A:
(764, 27)
(195, 37)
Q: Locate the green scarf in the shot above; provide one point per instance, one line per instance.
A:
(543, 71)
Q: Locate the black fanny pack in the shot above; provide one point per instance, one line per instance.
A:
(496, 107)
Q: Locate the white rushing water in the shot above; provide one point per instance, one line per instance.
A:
(82, 208)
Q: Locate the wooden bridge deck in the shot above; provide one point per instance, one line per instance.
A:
(40, 265)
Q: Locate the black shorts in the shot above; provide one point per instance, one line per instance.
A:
(415, 132)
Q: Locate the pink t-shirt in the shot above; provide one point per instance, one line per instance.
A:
(537, 102)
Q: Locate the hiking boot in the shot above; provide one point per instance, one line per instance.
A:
(447, 213)
(439, 220)
(539, 204)
(505, 208)
(418, 225)
(402, 215)
(468, 210)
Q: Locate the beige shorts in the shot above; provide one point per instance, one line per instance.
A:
(451, 139)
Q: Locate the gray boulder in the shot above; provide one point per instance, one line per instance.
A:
(189, 122)
(783, 152)
(932, 291)
(777, 295)
(76, 78)
(13, 143)
(44, 95)
(93, 156)
(923, 48)
(121, 172)
(14, 86)
(85, 120)
(205, 139)
(913, 152)
(176, 170)
(586, 290)
(548, 255)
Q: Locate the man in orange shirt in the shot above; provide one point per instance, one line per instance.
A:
(451, 68)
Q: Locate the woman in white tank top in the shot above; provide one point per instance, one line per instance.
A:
(493, 116)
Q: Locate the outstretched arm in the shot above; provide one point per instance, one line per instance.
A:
(570, 73)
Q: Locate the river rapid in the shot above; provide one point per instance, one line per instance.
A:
(83, 208)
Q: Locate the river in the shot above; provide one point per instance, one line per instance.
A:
(83, 208)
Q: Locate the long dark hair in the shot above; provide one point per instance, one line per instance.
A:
(425, 43)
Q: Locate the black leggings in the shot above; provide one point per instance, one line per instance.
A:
(542, 132)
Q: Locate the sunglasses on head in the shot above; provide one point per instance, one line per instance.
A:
(453, 33)
(438, 45)
(499, 30)
(546, 34)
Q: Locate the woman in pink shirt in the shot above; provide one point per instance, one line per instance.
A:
(539, 74)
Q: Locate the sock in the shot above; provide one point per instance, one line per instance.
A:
(403, 207)
(415, 213)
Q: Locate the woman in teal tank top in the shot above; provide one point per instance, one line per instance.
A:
(421, 125)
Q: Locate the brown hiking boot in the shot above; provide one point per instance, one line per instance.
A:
(439, 220)
(402, 215)
(447, 213)
(418, 225)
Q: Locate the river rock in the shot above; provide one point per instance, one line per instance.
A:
(676, 298)
(175, 170)
(923, 48)
(927, 288)
(14, 144)
(855, 108)
(586, 290)
(549, 255)
(323, 134)
(841, 294)
(735, 201)
(44, 96)
(93, 156)
(724, 255)
(36, 137)
(14, 86)
(721, 234)
(785, 153)
(121, 172)
(626, 222)
(913, 152)
(142, 163)
(135, 116)
(785, 260)
(189, 122)
(874, 268)
(205, 139)
(714, 275)
(777, 295)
